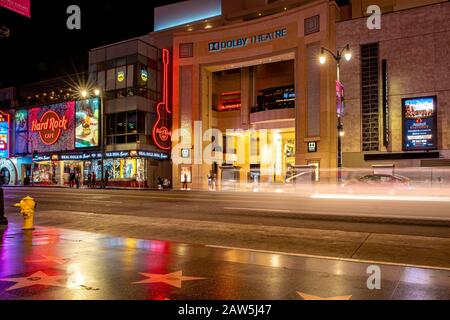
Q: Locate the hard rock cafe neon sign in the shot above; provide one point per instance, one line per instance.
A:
(50, 127)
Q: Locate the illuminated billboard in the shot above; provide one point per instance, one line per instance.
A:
(52, 128)
(4, 135)
(419, 123)
(21, 130)
(87, 123)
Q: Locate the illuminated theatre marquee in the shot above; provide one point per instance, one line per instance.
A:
(245, 41)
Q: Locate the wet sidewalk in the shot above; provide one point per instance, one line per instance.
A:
(60, 264)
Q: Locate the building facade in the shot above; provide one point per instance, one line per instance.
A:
(398, 88)
(134, 78)
(256, 82)
(236, 89)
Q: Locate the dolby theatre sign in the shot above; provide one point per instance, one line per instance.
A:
(245, 41)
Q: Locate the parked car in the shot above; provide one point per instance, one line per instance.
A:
(377, 182)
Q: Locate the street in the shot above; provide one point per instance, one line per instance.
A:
(135, 245)
(282, 223)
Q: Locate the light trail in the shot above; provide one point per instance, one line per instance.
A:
(379, 197)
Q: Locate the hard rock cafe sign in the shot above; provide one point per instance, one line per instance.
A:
(50, 127)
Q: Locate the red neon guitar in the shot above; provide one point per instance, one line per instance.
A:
(161, 130)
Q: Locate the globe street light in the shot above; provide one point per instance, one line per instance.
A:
(347, 54)
(84, 94)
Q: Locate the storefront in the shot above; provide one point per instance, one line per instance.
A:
(63, 139)
(125, 168)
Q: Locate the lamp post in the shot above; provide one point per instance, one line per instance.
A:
(347, 55)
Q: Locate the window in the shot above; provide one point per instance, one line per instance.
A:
(131, 75)
(370, 97)
(125, 127)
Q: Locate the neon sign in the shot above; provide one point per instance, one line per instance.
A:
(50, 127)
(161, 133)
(4, 135)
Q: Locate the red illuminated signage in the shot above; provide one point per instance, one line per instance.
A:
(50, 127)
(161, 133)
(230, 101)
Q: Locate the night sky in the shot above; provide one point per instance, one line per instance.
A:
(42, 47)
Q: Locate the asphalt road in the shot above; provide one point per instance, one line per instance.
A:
(405, 231)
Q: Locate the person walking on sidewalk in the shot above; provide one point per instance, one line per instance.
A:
(71, 179)
(106, 178)
(185, 182)
(89, 180)
(77, 180)
(94, 180)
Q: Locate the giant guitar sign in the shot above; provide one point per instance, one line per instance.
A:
(19, 6)
(161, 129)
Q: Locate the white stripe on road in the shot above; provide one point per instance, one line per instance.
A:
(260, 210)
(370, 262)
(372, 215)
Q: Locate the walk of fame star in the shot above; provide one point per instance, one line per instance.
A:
(311, 297)
(57, 260)
(174, 279)
(37, 278)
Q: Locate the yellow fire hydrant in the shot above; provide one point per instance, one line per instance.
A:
(27, 206)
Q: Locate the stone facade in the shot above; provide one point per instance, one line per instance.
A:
(416, 45)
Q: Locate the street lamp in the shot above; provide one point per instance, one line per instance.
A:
(345, 53)
(98, 93)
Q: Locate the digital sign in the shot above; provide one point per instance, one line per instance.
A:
(419, 123)
(21, 131)
(4, 135)
(87, 123)
(52, 128)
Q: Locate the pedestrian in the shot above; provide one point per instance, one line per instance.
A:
(210, 180)
(71, 179)
(89, 180)
(214, 181)
(94, 180)
(160, 183)
(185, 182)
(106, 178)
(77, 180)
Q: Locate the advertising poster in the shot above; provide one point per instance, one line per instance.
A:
(19, 6)
(52, 128)
(340, 104)
(87, 123)
(419, 124)
(21, 132)
(4, 135)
